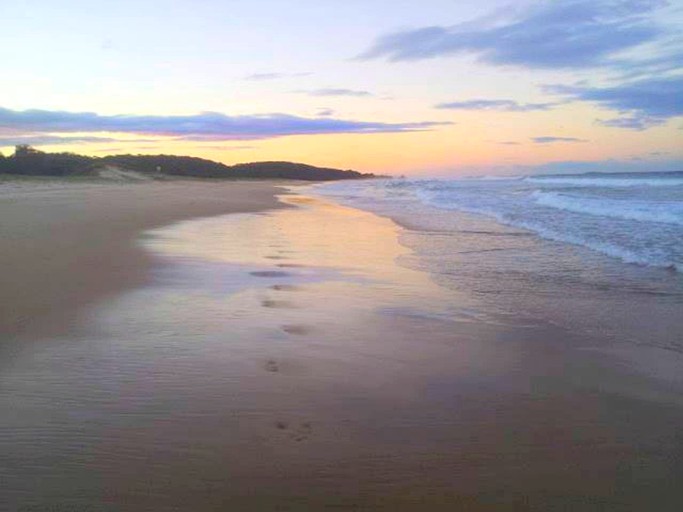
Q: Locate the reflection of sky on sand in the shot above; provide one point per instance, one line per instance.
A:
(239, 267)
(231, 372)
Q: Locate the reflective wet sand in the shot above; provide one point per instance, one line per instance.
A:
(285, 361)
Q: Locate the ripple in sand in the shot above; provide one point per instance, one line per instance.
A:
(270, 273)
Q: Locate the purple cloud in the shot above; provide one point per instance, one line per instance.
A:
(207, 126)
(499, 105)
(551, 34)
(630, 123)
(56, 140)
(337, 92)
(649, 101)
(325, 112)
(551, 139)
(261, 77)
(611, 165)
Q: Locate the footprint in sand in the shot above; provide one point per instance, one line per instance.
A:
(301, 432)
(286, 288)
(277, 304)
(269, 273)
(298, 330)
(272, 366)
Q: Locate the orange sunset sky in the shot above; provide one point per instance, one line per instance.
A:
(428, 88)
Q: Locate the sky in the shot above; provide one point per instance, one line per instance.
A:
(430, 88)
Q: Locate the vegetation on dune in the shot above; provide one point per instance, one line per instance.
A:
(27, 161)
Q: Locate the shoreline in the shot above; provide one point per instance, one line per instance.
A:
(66, 246)
(285, 360)
(508, 268)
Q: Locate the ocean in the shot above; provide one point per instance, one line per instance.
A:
(597, 253)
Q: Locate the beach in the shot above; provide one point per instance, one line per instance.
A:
(66, 244)
(255, 346)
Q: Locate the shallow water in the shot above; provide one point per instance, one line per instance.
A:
(514, 245)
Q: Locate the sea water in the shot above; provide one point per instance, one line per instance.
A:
(601, 253)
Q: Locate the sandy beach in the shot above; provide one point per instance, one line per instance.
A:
(160, 354)
(65, 245)
(271, 256)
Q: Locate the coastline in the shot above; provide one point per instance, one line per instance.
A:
(68, 244)
(284, 360)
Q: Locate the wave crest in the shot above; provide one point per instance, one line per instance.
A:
(668, 212)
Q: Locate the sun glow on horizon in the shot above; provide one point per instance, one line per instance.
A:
(456, 98)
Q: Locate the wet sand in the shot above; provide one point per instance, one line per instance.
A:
(284, 361)
(65, 245)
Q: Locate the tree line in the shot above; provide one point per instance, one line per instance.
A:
(28, 161)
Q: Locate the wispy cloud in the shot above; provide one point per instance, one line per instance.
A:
(325, 112)
(228, 148)
(648, 102)
(551, 139)
(336, 92)
(508, 143)
(262, 77)
(668, 58)
(56, 140)
(630, 123)
(111, 150)
(550, 34)
(611, 165)
(206, 126)
(499, 105)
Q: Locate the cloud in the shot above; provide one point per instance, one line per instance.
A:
(260, 77)
(336, 92)
(228, 148)
(206, 126)
(551, 139)
(111, 150)
(550, 34)
(325, 112)
(649, 101)
(668, 59)
(630, 123)
(56, 140)
(508, 143)
(611, 165)
(500, 105)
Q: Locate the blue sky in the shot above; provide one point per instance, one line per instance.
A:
(435, 87)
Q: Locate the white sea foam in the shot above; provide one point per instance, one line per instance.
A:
(669, 212)
(619, 181)
(611, 215)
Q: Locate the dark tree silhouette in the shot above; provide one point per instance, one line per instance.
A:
(30, 161)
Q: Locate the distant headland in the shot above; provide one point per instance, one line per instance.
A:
(28, 161)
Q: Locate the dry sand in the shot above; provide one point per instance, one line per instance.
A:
(64, 246)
